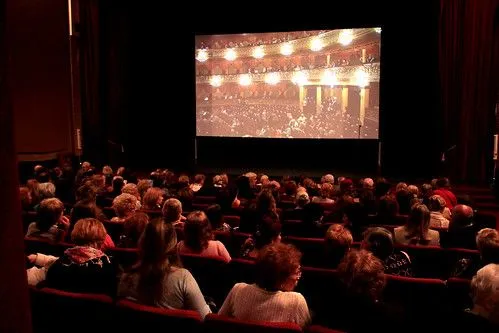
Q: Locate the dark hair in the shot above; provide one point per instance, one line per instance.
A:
(388, 207)
(197, 231)
(267, 231)
(275, 264)
(157, 255)
(83, 210)
(265, 203)
(379, 241)
(48, 214)
(86, 193)
(133, 228)
(404, 200)
(214, 214)
(118, 184)
(443, 183)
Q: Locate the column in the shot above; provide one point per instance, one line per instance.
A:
(344, 99)
(363, 58)
(328, 60)
(302, 94)
(318, 102)
(362, 112)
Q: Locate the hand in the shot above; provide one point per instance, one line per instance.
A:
(32, 258)
(64, 222)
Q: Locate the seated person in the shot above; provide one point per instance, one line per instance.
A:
(51, 224)
(198, 183)
(199, 238)
(38, 272)
(388, 209)
(268, 232)
(271, 298)
(437, 206)
(326, 194)
(84, 268)
(158, 279)
(416, 231)
(172, 212)
(124, 206)
(214, 213)
(132, 230)
(338, 241)
(487, 242)
(83, 210)
(462, 229)
(380, 242)
(153, 199)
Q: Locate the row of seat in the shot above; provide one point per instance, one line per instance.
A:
(58, 311)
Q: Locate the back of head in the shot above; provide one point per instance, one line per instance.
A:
(82, 210)
(363, 274)
(404, 200)
(368, 183)
(142, 186)
(462, 217)
(485, 292)
(487, 242)
(25, 195)
(153, 198)
(49, 212)
(124, 205)
(118, 183)
(436, 203)
(302, 199)
(265, 202)
(86, 193)
(46, 190)
(275, 264)
(379, 241)
(338, 241)
(89, 232)
(382, 187)
(197, 231)
(443, 183)
(199, 179)
(172, 209)
(418, 222)
(131, 188)
(388, 207)
(329, 178)
(327, 190)
(134, 227)
(267, 232)
(426, 190)
(214, 214)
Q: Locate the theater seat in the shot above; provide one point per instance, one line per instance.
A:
(427, 261)
(320, 329)
(58, 311)
(222, 324)
(44, 246)
(133, 317)
(241, 270)
(313, 249)
(459, 293)
(210, 200)
(114, 229)
(232, 220)
(126, 258)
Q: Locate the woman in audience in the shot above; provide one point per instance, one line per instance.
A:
(326, 194)
(51, 224)
(172, 212)
(268, 232)
(199, 238)
(437, 206)
(416, 231)
(83, 210)
(380, 242)
(265, 207)
(142, 186)
(118, 183)
(158, 279)
(214, 213)
(271, 298)
(132, 189)
(198, 183)
(84, 268)
(132, 230)
(153, 199)
(338, 241)
(32, 184)
(26, 200)
(124, 206)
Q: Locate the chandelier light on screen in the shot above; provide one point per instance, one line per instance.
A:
(258, 52)
(230, 55)
(378, 30)
(361, 78)
(316, 44)
(216, 81)
(245, 80)
(299, 78)
(329, 79)
(286, 49)
(202, 55)
(345, 37)
(272, 78)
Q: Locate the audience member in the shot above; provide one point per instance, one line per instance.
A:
(132, 230)
(51, 224)
(338, 241)
(416, 231)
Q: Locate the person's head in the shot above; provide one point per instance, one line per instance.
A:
(121, 171)
(89, 232)
(363, 274)
(346, 185)
(436, 203)
(302, 199)
(413, 191)
(98, 182)
(382, 187)
(485, 292)
(487, 242)
(264, 180)
(49, 213)
(183, 181)
(85, 166)
(462, 217)
(217, 181)
(172, 209)
(368, 183)
(329, 179)
(33, 184)
(125, 205)
(131, 189)
(379, 241)
(83, 210)
(107, 171)
(426, 190)
(86, 193)
(157, 255)
(338, 241)
(199, 179)
(118, 183)
(252, 177)
(418, 222)
(388, 207)
(278, 267)
(327, 190)
(134, 227)
(197, 231)
(46, 190)
(290, 187)
(268, 232)
(404, 200)
(265, 202)
(214, 213)
(153, 199)
(401, 186)
(25, 195)
(142, 186)
(443, 183)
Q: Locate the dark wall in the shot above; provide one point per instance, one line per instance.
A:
(39, 69)
(161, 105)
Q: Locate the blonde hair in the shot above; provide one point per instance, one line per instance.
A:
(89, 232)
(125, 204)
(131, 188)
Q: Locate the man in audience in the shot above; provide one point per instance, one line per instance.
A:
(437, 205)
(462, 230)
(443, 190)
(51, 224)
(172, 212)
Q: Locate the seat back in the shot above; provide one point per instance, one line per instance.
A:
(131, 315)
(241, 270)
(427, 261)
(459, 293)
(114, 229)
(222, 324)
(320, 329)
(232, 220)
(60, 311)
(317, 282)
(126, 258)
(44, 246)
(313, 249)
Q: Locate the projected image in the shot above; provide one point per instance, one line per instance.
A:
(303, 84)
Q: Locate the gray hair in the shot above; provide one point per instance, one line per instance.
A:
(485, 291)
(47, 190)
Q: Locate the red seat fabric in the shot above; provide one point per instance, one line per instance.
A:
(320, 329)
(126, 258)
(222, 324)
(232, 220)
(459, 293)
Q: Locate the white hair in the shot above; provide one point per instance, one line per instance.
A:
(368, 182)
(329, 178)
(485, 291)
(47, 190)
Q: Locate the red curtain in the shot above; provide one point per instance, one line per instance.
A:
(469, 63)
